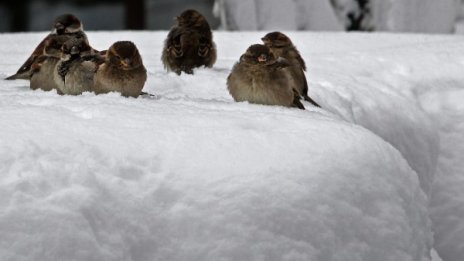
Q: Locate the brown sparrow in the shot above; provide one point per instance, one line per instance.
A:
(283, 47)
(74, 73)
(259, 77)
(189, 44)
(122, 71)
(65, 27)
(43, 67)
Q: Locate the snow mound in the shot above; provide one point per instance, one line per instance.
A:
(444, 102)
(105, 178)
(192, 175)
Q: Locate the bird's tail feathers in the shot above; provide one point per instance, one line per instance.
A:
(307, 98)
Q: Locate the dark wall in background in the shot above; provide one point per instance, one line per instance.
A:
(161, 13)
(38, 15)
(4, 19)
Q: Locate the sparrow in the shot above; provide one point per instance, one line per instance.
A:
(65, 27)
(122, 71)
(259, 77)
(43, 67)
(189, 44)
(74, 73)
(282, 46)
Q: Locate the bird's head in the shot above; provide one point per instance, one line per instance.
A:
(124, 55)
(276, 40)
(67, 24)
(257, 54)
(52, 47)
(191, 18)
(75, 47)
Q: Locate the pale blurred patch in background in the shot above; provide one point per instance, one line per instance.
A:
(420, 16)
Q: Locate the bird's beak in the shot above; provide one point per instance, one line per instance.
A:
(126, 62)
(262, 58)
(266, 42)
(74, 50)
(59, 26)
(65, 57)
(71, 30)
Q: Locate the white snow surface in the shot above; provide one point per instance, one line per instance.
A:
(447, 211)
(192, 175)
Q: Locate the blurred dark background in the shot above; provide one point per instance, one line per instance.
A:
(38, 15)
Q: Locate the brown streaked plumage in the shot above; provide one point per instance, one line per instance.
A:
(65, 27)
(189, 44)
(261, 78)
(74, 73)
(122, 71)
(43, 68)
(283, 47)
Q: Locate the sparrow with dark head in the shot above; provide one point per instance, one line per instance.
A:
(74, 73)
(282, 46)
(122, 71)
(42, 69)
(65, 27)
(259, 77)
(189, 44)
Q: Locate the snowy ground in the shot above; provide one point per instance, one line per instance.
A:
(191, 175)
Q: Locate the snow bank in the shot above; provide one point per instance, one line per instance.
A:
(372, 86)
(424, 120)
(444, 102)
(192, 175)
(176, 180)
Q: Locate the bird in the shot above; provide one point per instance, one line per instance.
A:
(65, 27)
(74, 73)
(43, 67)
(122, 71)
(259, 77)
(282, 46)
(189, 44)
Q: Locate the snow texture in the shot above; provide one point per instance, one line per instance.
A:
(447, 211)
(192, 175)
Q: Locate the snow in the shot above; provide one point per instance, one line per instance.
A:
(447, 203)
(192, 175)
